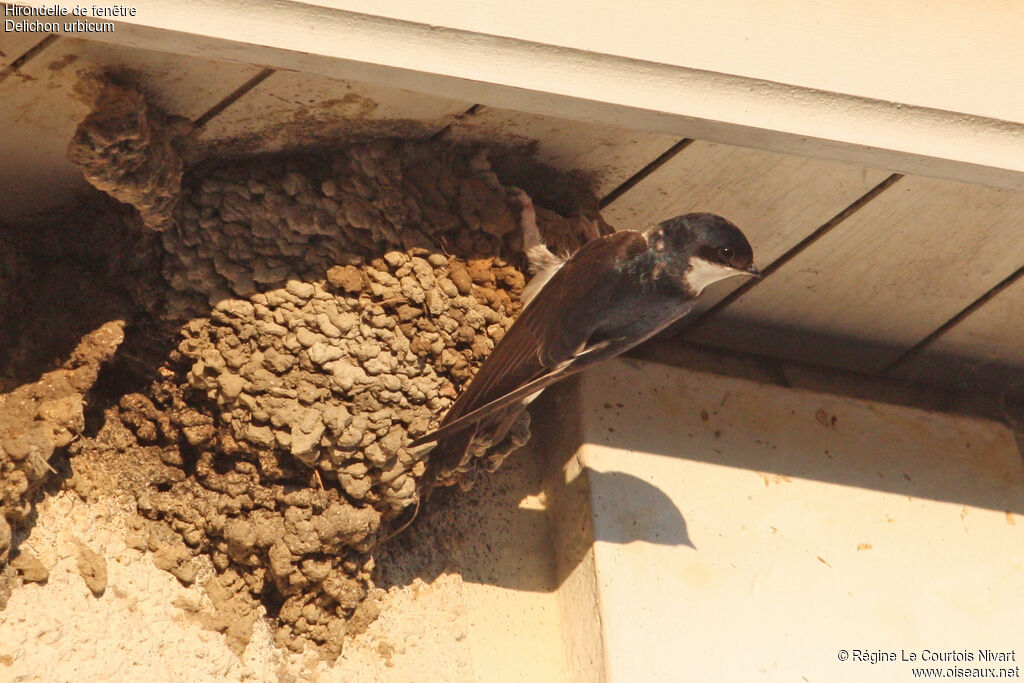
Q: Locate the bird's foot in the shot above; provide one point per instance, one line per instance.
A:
(591, 228)
(537, 252)
(519, 200)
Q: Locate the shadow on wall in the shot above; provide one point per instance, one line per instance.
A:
(65, 278)
(500, 532)
(495, 535)
(852, 352)
(313, 313)
(803, 434)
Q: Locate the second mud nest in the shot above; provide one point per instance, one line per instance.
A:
(321, 311)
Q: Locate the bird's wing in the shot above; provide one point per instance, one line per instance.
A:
(580, 362)
(549, 337)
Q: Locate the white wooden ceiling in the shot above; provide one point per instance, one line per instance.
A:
(866, 270)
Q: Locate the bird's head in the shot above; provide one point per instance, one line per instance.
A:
(709, 247)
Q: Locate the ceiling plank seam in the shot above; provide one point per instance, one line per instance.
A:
(920, 346)
(469, 113)
(231, 98)
(647, 170)
(28, 55)
(802, 245)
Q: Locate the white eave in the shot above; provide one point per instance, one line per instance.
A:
(872, 151)
(917, 89)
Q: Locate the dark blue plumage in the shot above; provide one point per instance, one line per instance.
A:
(614, 293)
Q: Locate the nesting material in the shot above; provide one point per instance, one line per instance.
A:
(37, 419)
(339, 331)
(126, 149)
(329, 307)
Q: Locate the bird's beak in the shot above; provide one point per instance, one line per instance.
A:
(753, 272)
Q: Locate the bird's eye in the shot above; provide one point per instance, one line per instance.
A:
(726, 253)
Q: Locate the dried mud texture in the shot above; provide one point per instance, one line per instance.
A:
(37, 419)
(126, 148)
(342, 324)
(290, 405)
(65, 277)
(327, 310)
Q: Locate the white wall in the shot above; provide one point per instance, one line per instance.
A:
(751, 532)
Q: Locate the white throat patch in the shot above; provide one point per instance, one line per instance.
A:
(702, 273)
(545, 265)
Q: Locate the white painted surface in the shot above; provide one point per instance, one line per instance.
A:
(985, 350)
(14, 45)
(881, 280)
(888, 529)
(886, 50)
(776, 199)
(290, 109)
(609, 155)
(39, 112)
(618, 68)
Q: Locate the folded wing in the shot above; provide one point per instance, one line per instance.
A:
(551, 339)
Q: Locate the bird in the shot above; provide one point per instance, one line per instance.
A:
(612, 294)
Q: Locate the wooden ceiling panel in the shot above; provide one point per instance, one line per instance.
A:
(776, 199)
(882, 280)
(607, 155)
(41, 111)
(985, 350)
(289, 110)
(14, 45)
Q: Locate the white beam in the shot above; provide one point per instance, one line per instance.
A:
(713, 528)
(794, 90)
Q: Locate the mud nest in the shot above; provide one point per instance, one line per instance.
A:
(308, 317)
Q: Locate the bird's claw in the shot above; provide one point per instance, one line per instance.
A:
(518, 199)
